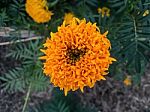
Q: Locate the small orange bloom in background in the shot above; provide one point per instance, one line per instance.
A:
(68, 17)
(146, 13)
(38, 10)
(104, 11)
(127, 81)
(77, 55)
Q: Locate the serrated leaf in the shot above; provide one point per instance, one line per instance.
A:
(125, 37)
(130, 45)
(145, 46)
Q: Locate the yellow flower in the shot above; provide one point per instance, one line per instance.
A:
(146, 13)
(38, 10)
(68, 17)
(104, 11)
(77, 55)
(127, 81)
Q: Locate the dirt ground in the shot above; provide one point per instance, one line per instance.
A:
(113, 96)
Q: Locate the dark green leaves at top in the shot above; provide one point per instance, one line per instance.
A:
(88, 2)
(118, 5)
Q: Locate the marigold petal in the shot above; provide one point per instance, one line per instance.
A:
(43, 57)
(105, 34)
(81, 88)
(44, 51)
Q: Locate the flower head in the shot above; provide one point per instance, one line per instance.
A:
(104, 11)
(38, 10)
(77, 55)
(68, 17)
(146, 13)
(127, 81)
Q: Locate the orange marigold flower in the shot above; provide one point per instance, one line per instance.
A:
(68, 17)
(104, 11)
(77, 55)
(127, 81)
(38, 10)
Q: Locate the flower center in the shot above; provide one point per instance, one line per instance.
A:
(74, 55)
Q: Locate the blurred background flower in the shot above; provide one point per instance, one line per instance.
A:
(38, 10)
(104, 11)
(128, 81)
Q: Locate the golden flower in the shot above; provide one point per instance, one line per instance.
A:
(99, 10)
(146, 13)
(68, 17)
(38, 10)
(127, 81)
(104, 11)
(77, 55)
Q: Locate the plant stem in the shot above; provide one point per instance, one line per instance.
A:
(135, 32)
(26, 99)
(22, 40)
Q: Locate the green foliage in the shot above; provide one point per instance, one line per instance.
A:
(118, 5)
(130, 41)
(17, 8)
(3, 18)
(61, 103)
(14, 80)
(15, 12)
(87, 2)
(134, 41)
(53, 106)
(123, 5)
(30, 71)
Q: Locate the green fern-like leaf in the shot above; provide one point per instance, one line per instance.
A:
(28, 52)
(14, 80)
(3, 18)
(30, 71)
(17, 8)
(118, 5)
(52, 106)
(133, 39)
(87, 2)
(39, 82)
(18, 52)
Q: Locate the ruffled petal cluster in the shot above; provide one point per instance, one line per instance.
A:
(38, 10)
(77, 55)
